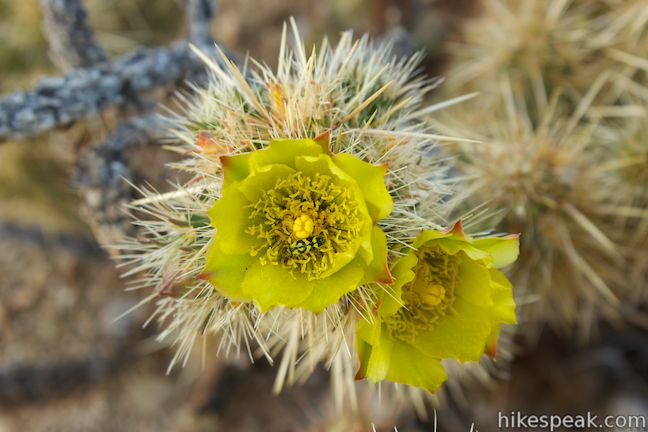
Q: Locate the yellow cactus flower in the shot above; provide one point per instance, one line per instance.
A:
(296, 226)
(448, 301)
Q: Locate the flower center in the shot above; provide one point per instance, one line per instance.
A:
(304, 222)
(429, 296)
(432, 295)
(303, 226)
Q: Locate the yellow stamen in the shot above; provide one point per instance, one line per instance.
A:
(303, 226)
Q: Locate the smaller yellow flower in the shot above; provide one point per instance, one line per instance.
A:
(447, 301)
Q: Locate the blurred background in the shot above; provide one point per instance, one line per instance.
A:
(66, 365)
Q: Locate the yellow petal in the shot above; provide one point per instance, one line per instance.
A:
(504, 250)
(371, 179)
(229, 216)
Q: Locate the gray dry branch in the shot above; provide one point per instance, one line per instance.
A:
(70, 40)
(84, 93)
(98, 84)
(129, 83)
(104, 174)
(77, 244)
(198, 15)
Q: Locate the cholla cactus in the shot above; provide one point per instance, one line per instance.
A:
(542, 45)
(625, 136)
(624, 154)
(548, 46)
(307, 186)
(623, 35)
(547, 182)
(561, 157)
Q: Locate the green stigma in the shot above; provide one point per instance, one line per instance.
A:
(429, 296)
(304, 222)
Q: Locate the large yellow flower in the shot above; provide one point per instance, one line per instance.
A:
(448, 301)
(296, 226)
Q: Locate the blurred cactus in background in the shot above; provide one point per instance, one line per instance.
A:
(561, 120)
